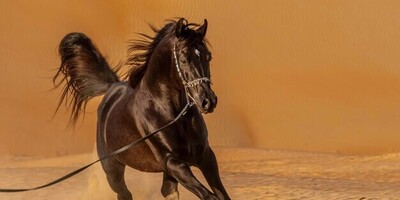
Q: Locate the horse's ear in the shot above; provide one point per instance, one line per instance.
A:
(203, 28)
(180, 27)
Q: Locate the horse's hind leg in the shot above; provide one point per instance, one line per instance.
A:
(169, 187)
(115, 177)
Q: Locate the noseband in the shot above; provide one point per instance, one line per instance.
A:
(189, 84)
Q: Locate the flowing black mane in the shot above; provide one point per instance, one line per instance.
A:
(141, 50)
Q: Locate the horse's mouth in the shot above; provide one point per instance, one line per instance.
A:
(205, 111)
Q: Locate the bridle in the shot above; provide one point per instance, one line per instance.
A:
(188, 84)
(189, 103)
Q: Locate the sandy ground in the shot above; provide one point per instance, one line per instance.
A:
(247, 174)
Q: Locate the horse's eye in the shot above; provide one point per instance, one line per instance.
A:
(197, 52)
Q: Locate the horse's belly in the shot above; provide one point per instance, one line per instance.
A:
(141, 158)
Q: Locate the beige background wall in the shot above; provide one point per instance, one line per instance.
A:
(302, 75)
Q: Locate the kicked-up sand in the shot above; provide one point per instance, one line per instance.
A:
(253, 174)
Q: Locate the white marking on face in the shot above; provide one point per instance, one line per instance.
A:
(197, 52)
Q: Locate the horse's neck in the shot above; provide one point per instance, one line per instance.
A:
(159, 79)
(158, 66)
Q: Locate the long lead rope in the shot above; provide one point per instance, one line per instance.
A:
(190, 103)
(122, 149)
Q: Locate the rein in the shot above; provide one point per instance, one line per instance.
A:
(189, 103)
(120, 150)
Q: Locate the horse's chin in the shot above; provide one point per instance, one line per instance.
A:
(203, 111)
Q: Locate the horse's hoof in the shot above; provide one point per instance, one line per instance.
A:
(173, 196)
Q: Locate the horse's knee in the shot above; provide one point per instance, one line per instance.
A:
(174, 165)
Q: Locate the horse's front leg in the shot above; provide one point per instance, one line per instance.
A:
(209, 168)
(169, 187)
(182, 173)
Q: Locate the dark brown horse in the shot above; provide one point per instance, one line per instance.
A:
(169, 70)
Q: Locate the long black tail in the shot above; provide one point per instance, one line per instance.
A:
(84, 73)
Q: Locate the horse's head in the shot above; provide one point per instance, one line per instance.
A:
(192, 60)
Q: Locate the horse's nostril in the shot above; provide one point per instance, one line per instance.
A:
(205, 104)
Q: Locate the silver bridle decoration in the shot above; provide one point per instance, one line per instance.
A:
(188, 84)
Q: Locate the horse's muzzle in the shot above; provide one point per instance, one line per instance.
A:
(208, 104)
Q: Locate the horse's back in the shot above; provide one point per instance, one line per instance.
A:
(116, 128)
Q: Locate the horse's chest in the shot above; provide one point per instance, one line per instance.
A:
(195, 142)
